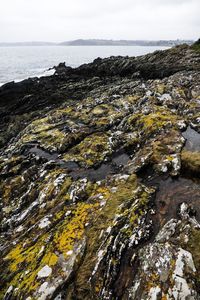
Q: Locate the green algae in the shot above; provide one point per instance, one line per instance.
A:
(91, 151)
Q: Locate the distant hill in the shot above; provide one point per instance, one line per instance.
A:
(102, 42)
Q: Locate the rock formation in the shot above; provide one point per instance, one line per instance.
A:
(99, 181)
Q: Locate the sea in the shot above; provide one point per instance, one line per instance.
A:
(18, 63)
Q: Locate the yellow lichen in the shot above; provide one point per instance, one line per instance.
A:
(71, 231)
(50, 259)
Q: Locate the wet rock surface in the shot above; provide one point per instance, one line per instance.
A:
(99, 181)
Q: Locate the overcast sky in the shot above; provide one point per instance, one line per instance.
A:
(61, 20)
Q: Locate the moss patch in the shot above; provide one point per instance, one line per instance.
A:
(157, 120)
(193, 246)
(191, 161)
(91, 151)
(196, 46)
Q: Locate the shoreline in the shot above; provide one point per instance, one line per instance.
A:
(20, 66)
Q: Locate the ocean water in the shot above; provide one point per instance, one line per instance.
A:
(18, 63)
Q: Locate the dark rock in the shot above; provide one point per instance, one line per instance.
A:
(95, 203)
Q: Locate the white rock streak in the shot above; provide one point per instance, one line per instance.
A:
(44, 272)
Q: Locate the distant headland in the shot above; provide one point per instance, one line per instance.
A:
(101, 42)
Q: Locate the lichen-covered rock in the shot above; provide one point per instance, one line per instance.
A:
(168, 271)
(99, 181)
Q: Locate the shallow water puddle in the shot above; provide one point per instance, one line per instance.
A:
(105, 169)
(76, 172)
(171, 193)
(121, 159)
(192, 139)
(93, 174)
(44, 154)
(70, 165)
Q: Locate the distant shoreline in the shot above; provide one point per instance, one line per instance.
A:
(99, 42)
(85, 45)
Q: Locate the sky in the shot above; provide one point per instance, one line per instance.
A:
(63, 20)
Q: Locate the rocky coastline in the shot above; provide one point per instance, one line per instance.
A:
(100, 180)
